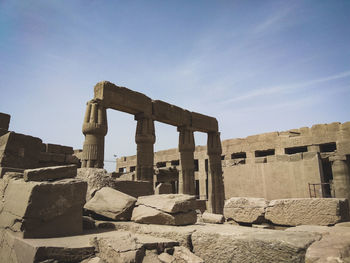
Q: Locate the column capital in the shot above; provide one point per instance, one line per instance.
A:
(186, 139)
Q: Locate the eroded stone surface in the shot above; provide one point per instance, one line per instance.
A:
(43, 209)
(98, 178)
(212, 218)
(245, 209)
(148, 215)
(50, 173)
(170, 203)
(112, 204)
(225, 243)
(307, 211)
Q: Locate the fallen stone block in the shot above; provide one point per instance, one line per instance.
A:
(236, 244)
(170, 203)
(307, 211)
(180, 234)
(43, 209)
(98, 178)
(112, 204)
(148, 215)
(183, 254)
(50, 173)
(245, 209)
(121, 249)
(212, 218)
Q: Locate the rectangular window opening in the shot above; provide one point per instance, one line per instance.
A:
(132, 168)
(122, 169)
(239, 155)
(328, 147)
(175, 162)
(161, 164)
(264, 153)
(222, 157)
(293, 150)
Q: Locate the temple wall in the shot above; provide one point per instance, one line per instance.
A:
(270, 165)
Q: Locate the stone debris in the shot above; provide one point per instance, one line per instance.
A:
(212, 218)
(171, 209)
(334, 246)
(170, 203)
(43, 209)
(111, 204)
(225, 243)
(307, 211)
(245, 209)
(148, 215)
(50, 173)
(98, 178)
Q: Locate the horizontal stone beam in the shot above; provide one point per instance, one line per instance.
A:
(171, 114)
(122, 99)
(126, 100)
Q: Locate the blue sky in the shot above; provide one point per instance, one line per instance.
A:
(257, 66)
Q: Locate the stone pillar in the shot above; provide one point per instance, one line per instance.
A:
(216, 193)
(341, 176)
(95, 129)
(187, 183)
(145, 138)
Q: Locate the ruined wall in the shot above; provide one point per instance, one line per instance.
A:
(270, 165)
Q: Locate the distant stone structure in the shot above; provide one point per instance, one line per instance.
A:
(146, 111)
(299, 163)
(20, 151)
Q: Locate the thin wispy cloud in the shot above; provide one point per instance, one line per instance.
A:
(281, 89)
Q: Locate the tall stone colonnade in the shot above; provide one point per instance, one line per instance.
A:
(146, 111)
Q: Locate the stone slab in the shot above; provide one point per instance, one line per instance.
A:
(112, 204)
(245, 209)
(4, 170)
(50, 173)
(307, 211)
(43, 209)
(4, 121)
(148, 215)
(170, 203)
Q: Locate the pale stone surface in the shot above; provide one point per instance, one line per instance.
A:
(343, 224)
(50, 173)
(181, 234)
(212, 218)
(306, 211)
(171, 203)
(93, 260)
(123, 249)
(43, 209)
(183, 254)
(245, 209)
(225, 243)
(112, 204)
(334, 246)
(148, 215)
(98, 178)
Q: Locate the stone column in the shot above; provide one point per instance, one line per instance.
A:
(341, 176)
(187, 183)
(216, 193)
(95, 129)
(145, 138)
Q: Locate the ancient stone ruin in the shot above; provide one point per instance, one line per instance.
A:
(60, 205)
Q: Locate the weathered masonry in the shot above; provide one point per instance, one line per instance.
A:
(146, 111)
(299, 163)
